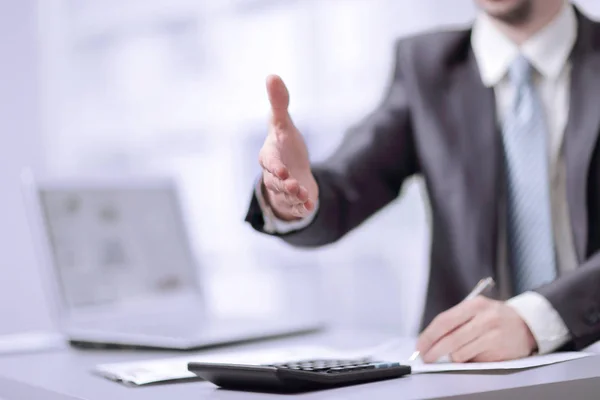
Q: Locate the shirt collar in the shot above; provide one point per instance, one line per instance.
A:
(548, 50)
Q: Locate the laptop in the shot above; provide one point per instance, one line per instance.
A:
(120, 270)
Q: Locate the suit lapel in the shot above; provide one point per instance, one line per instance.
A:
(582, 129)
(474, 106)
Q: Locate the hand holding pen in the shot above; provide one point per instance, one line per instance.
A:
(481, 287)
(478, 329)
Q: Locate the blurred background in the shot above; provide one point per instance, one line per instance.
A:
(118, 87)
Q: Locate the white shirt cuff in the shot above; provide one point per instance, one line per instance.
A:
(546, 325)
(276, 225)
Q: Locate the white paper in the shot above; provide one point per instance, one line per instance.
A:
(175, 369)
(528, 362)
(400, 349)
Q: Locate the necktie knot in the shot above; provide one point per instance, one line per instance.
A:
(520, 71)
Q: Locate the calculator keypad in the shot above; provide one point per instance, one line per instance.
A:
(334, 366)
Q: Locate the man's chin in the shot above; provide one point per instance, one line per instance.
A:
(514, 12)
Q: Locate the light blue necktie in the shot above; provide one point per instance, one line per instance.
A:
(529, 223)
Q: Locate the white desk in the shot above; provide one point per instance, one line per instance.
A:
(64, 375)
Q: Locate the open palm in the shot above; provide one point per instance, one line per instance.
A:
(290, 187)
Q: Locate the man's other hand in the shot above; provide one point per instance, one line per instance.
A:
(478, 330)
(289, 185)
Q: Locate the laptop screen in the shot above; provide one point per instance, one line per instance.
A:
(115, 245)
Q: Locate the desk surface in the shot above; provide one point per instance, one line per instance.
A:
(65, 374)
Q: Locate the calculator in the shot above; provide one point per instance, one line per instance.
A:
(298, 376)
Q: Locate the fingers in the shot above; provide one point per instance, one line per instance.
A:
(288, 195)
(456, 339)
(294, 193)
(503, 336)
(272, 183)
(478, 350)
(286, 205)
(479, 330)
(280, 100)
(298, 210)
(303, 196)
(448, 321)
(272, 164)
(309, 205)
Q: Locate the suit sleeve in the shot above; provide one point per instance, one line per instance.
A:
(363, 175)
(576, 298)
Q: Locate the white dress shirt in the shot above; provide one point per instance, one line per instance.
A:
(548, 51)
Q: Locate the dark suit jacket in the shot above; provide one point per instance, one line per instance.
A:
(437, 119)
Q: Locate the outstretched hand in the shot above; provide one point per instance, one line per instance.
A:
(289, 185)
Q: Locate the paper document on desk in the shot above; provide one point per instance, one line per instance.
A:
(147, 372)
(400, 349)
(528, 362)
(138, 373)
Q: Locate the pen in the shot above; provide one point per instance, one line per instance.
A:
(480, 288)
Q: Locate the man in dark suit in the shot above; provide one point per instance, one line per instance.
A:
(502, 121)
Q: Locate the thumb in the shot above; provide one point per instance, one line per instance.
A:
(279, 98)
